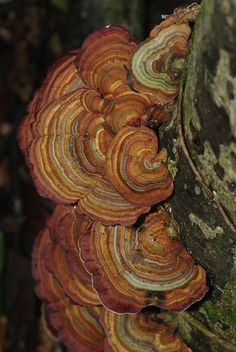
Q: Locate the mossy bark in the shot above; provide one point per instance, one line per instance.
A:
(205, 206)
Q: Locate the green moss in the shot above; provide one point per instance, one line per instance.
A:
(229, 307)
(184, 76)
(216, 348)
(222, 314)
(185, 331)
(212, 312)
(182, 325)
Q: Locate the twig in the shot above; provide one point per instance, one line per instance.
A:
(197, 174)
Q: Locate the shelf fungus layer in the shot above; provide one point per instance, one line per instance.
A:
(132, 268)
(136, 169)
(104, 58)
(73, 286)
(77, 284)
(67, 157)
(126, 107)
(76, 123)
(157, 63)
(76, 326)
(66, 228)
(139, 332)
(62, 78)
(104, 66)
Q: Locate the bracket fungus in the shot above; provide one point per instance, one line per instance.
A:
(61, 79)
(132, 269)
(136, 169)
(77, 284)
(70, 131)
(104, 56)
(158, 62)
(77, 326)
(89, 145)
(67, 227)
(138, 333)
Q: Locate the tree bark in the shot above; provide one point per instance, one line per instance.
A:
(202, 158)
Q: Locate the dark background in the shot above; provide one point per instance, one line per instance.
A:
(33, 34)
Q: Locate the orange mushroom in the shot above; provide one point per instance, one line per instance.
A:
(136, 169)
(104, 58)
(77, 284)
(67, 227)
(76, 326)
(76, 123)
(89, 149)
(103, 64)
(138, 333)
(61, 79)
(158, 62)
(67, 158)
(132, 268)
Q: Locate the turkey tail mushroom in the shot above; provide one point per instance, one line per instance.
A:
(138, 333)
(136, 169)
(132, 269)
(157, 63)
(76, 326)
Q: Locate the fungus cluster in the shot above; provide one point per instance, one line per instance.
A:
(88, 141)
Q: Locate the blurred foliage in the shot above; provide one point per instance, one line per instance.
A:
(61, 4)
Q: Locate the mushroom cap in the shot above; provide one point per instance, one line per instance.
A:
(66, 228)
(66, 152)
(67, 158)
(74, 124)
(138, 333)
(136, 169)
(79, 292)
(104, 58)
(132, 269)
(157, 63)
(76, 326)
(77, 284)
(126, 107)
(61, 79)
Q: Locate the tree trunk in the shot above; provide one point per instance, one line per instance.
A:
(202, 159)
